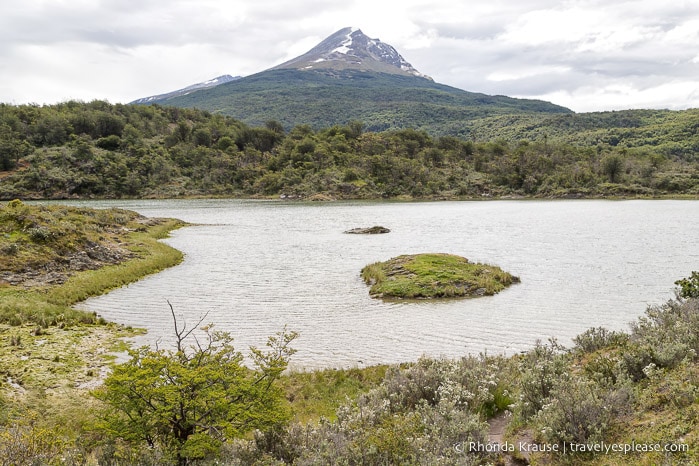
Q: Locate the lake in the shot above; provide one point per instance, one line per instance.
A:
(255, 266)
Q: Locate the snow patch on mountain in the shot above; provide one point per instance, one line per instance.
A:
(351, 48)
(189, 89)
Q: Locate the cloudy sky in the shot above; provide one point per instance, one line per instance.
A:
(587, 55)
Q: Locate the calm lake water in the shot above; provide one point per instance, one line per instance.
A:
(256, 266)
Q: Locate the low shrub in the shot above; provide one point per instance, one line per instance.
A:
(539, 369)
(579, 411)
(597, 338)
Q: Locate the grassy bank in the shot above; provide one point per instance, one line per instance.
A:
(56, 256)
(151, 256)
(52, 355)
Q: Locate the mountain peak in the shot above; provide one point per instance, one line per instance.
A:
(350, 48)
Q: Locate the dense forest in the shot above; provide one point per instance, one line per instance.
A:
(97, 149)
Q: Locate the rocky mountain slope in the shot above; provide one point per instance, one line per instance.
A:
(350, 48)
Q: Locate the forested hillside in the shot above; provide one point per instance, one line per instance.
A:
(672, 133)
(96, 149)
(382, 101)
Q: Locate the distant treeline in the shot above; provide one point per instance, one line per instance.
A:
(97, 149)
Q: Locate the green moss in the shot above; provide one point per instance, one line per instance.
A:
(434, 276)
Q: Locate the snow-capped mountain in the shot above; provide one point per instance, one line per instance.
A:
(226, 78)
(350, 48)
(350, 77)
(347, 49)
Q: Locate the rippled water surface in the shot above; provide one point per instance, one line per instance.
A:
(255, 266)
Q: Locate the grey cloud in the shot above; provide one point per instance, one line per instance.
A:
(117, 24)
(465, 49)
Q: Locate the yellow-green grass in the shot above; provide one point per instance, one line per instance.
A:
(434, 276)
(58, 359)
(317, 394)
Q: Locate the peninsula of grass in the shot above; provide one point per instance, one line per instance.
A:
(52, 257)
(434, 276)
(51, 354)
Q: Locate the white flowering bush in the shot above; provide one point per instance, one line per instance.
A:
(578, 410)
(666, 336)
(540, 369)
(415, 416)
(597, 338)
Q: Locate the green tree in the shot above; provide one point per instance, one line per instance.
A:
(188, 401)
(612, 167)
(11, 148)
(275, 126)
(689, 287)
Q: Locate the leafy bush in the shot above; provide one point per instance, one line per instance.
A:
(27, 443)
(187, 402)
(415, 417)
(689, 287)
(40, 234)
(665, 337)
(540, 369)
(111, 142)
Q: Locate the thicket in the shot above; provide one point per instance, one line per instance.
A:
(96, 149)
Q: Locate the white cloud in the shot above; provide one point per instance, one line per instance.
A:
(526, 72)
(584, 54)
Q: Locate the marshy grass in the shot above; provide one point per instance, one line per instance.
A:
(318, 394)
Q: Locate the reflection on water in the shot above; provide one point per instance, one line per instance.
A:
(255, 266)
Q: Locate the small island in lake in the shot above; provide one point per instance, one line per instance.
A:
(434, 276)
(375, 230)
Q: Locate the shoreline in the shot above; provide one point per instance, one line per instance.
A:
(325, 197)
(53, 347)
